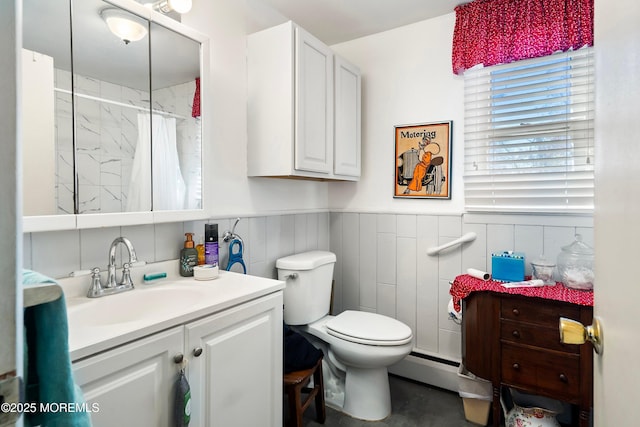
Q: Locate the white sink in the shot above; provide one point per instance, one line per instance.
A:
(98, 324)
(139, 304)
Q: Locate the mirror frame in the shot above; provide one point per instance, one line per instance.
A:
(82, 221)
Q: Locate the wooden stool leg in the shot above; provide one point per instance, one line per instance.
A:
(297, 406)
(318, 381)
(295, 414)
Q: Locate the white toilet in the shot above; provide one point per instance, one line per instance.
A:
(358, 346)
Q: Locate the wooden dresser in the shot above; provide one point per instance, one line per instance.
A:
(514, 340)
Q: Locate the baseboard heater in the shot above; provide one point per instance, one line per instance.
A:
(429, 369)
(435, 359)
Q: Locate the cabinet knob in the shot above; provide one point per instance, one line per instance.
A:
(563, 378)
(516, 366)
(515, 312)
(178, 358)
(197, 351)
(516, 333)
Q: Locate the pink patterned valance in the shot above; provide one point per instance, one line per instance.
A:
(494, 32)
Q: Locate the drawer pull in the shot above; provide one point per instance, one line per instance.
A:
(197, 351)
(515, 312)
(563, 378)
(516, 366)
(516, 334)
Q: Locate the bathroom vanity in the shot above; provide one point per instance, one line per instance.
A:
(513, 340)
(127, 351)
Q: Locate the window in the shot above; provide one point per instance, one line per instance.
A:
(529, 135)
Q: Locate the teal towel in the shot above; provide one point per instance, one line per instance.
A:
(49, 379)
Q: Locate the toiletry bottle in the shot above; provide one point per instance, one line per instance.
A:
(200, 249)
(188, 257)
(211, 244)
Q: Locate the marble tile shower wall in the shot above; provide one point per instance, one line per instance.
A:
(106, 139)
(266, 238)
(383, 266)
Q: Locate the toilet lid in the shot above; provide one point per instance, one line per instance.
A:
(369, 328)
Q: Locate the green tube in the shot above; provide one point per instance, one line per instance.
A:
(154, 276)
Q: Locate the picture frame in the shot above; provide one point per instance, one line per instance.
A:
(423, 160)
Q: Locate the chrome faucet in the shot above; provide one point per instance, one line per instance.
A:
(111, 287)
(126, 277)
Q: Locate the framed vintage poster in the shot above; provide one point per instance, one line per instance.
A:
(423, 161)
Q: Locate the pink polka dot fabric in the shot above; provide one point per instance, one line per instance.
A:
(195, 109)
(494, 32)
(464, 284)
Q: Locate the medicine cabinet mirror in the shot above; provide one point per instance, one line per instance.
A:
(112, 128)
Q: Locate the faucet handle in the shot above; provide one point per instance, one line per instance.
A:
(95, 289)
(126, 275)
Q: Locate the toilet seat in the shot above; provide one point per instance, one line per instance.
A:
(369, 328)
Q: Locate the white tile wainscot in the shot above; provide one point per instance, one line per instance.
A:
(383, 267)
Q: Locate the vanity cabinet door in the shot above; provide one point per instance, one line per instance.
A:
(235, 365)
(133, 384)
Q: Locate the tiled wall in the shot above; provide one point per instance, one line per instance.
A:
(383, 266)
(106, 139)
(57, 253)
(382, 262)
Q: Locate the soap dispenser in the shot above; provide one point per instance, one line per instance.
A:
(200, 250)
(188, 256)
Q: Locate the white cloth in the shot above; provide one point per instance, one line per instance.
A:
(452, 311)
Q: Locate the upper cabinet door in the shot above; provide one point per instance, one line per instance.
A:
(314, 104)
(347, 118)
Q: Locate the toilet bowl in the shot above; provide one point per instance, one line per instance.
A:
(359, 346)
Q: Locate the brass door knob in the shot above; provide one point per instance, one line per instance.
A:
(574, 332)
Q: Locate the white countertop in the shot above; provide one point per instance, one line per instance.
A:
(98, 324)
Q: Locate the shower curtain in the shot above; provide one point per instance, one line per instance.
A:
(162, 173)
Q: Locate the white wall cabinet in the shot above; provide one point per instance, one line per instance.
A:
(303, 107)
(234, 367)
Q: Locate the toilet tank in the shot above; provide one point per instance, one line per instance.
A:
(307, 295)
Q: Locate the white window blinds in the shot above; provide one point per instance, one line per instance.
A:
(529, 135)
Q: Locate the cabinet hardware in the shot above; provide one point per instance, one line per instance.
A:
(197, 351)
(574, 332)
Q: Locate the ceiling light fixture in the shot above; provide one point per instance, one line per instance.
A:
(128, 27)
(166, 6)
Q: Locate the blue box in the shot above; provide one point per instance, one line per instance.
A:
(507, 266)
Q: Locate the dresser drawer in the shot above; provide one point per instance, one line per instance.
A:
(534, 335)
(537, 311)
(545, 371)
